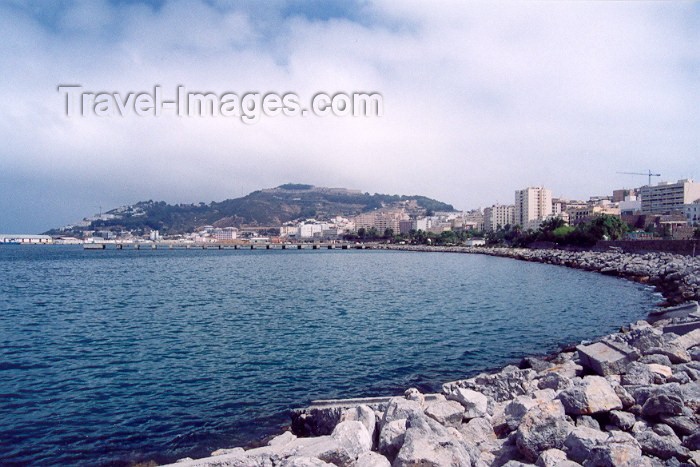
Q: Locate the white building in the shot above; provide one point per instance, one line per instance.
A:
(532, 206)
(665, 197)
(498, 215)
(26, 239)
(692, 212)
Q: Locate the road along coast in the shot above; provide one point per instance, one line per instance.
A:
(631, 398)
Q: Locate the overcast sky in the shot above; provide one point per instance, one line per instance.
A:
(479, 100)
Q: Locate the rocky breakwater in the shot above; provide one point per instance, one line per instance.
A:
(629, 399)
(677, 277)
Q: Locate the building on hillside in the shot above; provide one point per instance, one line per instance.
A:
(665, 198)
(532, 206)
(498, 215)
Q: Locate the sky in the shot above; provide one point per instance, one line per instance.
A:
(480, 99)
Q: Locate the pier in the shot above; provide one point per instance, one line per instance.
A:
(227, 246)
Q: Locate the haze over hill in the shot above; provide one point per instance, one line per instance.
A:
(268, 207)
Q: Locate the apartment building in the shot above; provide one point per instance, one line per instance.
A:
(498, 215)
(665, 198)
(532, 205)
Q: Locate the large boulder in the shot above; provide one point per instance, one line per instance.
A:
(353, 436)
(516, 410)
(674, 352)
(475, 403)
(478, 431)
(581, 441)
(553, 458)
(362, 414)
(664, 447)
(662, 404)
(637, 374)
(448, 413)
(427, 443)
(400, 408)
(391, 438)
(623, 420)
(543, 427)
(618, 450)
(589, 396)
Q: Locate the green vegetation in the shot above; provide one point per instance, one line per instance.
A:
(586, 234)
(414, 237)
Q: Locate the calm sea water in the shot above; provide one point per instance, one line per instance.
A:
(114, 357)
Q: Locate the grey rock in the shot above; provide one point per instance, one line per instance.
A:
(681, 424)
(656, 358)
(664, 447)
(590, 396)
(662, 404)
(475, 403)
(362, 414)
(448, 413)
(503, 386)
(637, 374)
(328, 449)
(400, 408)
(588, 422)
(478, 431)
(282, 439)
(619, 449)
(413, 394)
(427, 443)
(554, 381)
(299, 461)
(353, 437)
(623, 420)
(551, 458)
(692, 442)
(371, 459)
(391, 438)
(516, 409)
(674, 353)
(625, 397)
(543, 427)
(581, 441)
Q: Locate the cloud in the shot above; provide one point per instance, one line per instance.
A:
(479, 98)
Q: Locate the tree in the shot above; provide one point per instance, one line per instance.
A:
(388, 233)
(697, 233)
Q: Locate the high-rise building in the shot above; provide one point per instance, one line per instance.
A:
(498, 215)
(665, 197)
(532, 206)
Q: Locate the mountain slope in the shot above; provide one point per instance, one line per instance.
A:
(269, 207)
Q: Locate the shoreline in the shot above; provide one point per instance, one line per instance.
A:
(547, 409)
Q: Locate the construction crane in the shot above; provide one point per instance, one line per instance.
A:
(648, 174)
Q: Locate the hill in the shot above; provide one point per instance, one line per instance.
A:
(269, 207)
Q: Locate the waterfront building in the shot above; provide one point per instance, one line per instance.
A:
(498, 215)
(665, 198)
(532, 206)
(225, 234)
(26, 239)
(692, 212)
(381, 220)
(578, 216)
